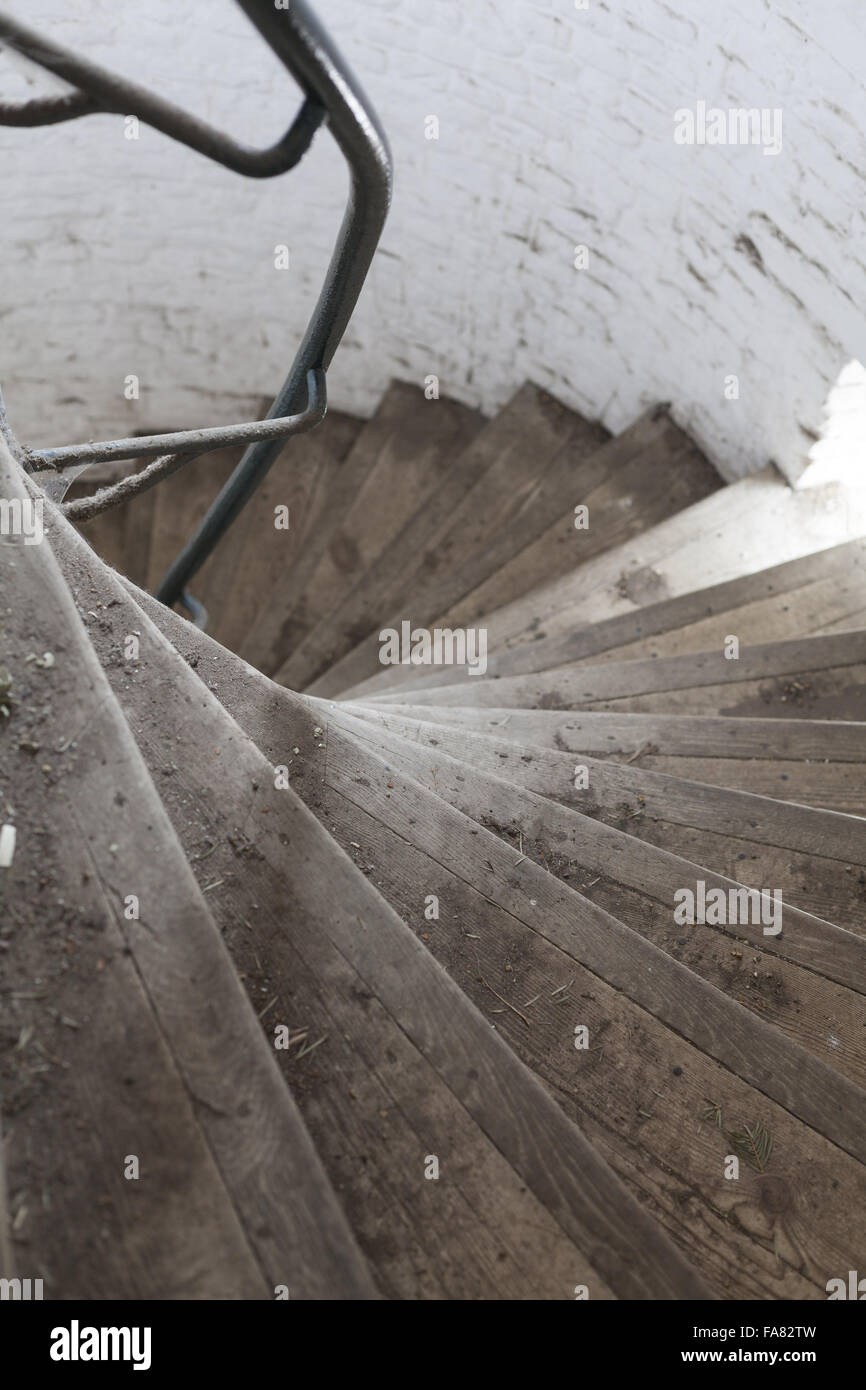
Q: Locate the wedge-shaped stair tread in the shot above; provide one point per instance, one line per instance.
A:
(181, 502)
(816, 595)
(817, 858)
(259, 557)
(824, 677)
(408, 446)
(649, 472)
(162, 1058)
(427, 440)
(813, 595)
(810, 931)
(487, 494)
(723, 537)
(811, 762)
(336, 485)
(330, 947)
(516, 473)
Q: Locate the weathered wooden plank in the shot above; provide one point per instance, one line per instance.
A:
(695, 736)
(258, 557)
(492, 481)
(671, 559)
(792, 600)
(849, 623)
(413, 464)
(827, 786)
(835, 693)
(816, 667)
(649, 472)
(516, 497)
(827, 846)
(810, 762)
(531, 486)
(724, 536)
(180, 503)
(819, 608)
(337, 483)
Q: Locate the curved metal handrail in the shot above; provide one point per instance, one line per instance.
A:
(98, 91)
(334, 97)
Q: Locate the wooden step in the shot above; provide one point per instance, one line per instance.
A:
(823, 677)
(648, 473)
(818, 858)
(723, 537)
(638, 1089)
(282, 621)
(616, 481)
(416, 457)
(492, 480)
(810, 762)
(640, 879)
(550, 451)
(731, 533)
(817, 594)
(259, 558)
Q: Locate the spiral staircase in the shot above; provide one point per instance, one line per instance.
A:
(324, 979)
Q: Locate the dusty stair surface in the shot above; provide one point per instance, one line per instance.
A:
(511, 1067)
(398, 812)
(527, 1202)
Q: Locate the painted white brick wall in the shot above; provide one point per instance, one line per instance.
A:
(556, 128)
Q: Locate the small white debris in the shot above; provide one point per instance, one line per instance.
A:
(7, 846)
(317, 732)
(296, 750)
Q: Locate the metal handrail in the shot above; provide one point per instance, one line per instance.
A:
(332, 96)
